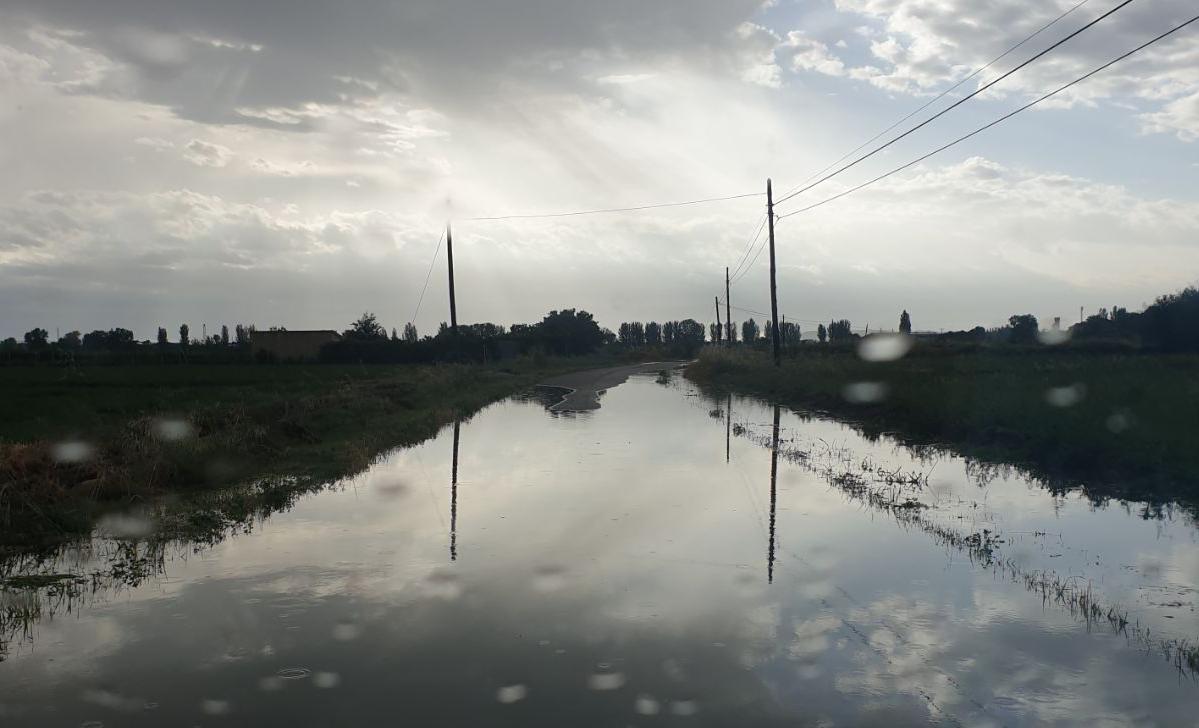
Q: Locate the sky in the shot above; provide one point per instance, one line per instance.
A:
(294, 162)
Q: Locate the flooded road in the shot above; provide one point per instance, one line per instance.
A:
(656, 561)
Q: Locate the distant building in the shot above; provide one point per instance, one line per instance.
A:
(292, 345)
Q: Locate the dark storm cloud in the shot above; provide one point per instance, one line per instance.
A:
(206, 60)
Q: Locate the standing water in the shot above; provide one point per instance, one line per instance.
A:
(667, 559)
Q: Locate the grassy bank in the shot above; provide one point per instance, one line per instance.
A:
(77, 442)
(1117, 424)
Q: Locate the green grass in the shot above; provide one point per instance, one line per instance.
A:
(249, 424)
(991, 404)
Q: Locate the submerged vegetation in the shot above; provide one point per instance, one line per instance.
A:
(1108, 422)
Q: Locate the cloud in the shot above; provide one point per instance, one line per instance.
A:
(203, 154)
(811, 55)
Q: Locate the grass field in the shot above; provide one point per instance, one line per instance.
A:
(139, 431)
(1122, 425)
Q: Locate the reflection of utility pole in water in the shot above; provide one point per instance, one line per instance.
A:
(728, 425)
(774, 473)
(454, 499)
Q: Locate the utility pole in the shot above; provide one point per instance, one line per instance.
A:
(728, 315)
(449, 252)
(718, 327)
(774, 299)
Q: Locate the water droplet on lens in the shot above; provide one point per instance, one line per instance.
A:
(392, 489)
(326, 680)
(125, 525)
(91, 724)
(1118, 422)
(1065, 396)
(684, 707)
(511, 694)
(1053, 337)
(444, 585)
(270, 684)
(549, 578)
(884, 347)
(864, 392)
(346, 631)
(72, 451)
(216, 707)
(606, 681)
(172, 430)
(646, 705)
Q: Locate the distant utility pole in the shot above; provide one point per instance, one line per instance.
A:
(449, 252)
(774, 298)
(728, 316)
(718, 328)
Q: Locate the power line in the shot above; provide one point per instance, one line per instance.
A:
(753, 239)
(617, 209)
(427, 276)
(954, 105)
(1000, 120)
(757, 255)
(940, 96)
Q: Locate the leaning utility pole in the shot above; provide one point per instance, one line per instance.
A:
(774, 300)
(718, 327)
(728, 315)
(449, 252)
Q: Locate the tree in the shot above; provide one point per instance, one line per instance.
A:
(653, 334)
(36, 339)
(410, 334)
(905, 323)
(714, 332)
(224, 335)
(822, 333)
(1024, 328)
(569, 332)
(71, 341)
(184, 340)
(393, 334)
(840, 331)
(162, 337)
(790, 334)
(749, 331)
(366, 328)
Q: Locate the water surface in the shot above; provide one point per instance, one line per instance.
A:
(657, 561)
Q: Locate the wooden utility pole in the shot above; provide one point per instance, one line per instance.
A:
(728, 315)
(719, 330)
(774, 300)
(454, 498)
(449, 252)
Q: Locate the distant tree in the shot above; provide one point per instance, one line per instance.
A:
(184, 338)
(393, 334)
(840, 330)
(653, 334)
(905, 323)
(366, 328)
(9, 345)
(71, 341)
(749, 331)
(822, 333)
(162, 337)
(120, 339)
(731, 332)
(1023, 328)
(790, 334)
(569, 332)
(443, 329)
(410, 334)
(36, 339)
(714, 332)
(224, 335)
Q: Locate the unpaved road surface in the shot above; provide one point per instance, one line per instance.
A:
(586, 386)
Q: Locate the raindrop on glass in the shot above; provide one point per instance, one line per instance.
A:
(326, 680)
(171, 430)
(511, 694)
(72, 451)
(1067, 396)
(884, 347)
(606, 681)
(864, 392)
